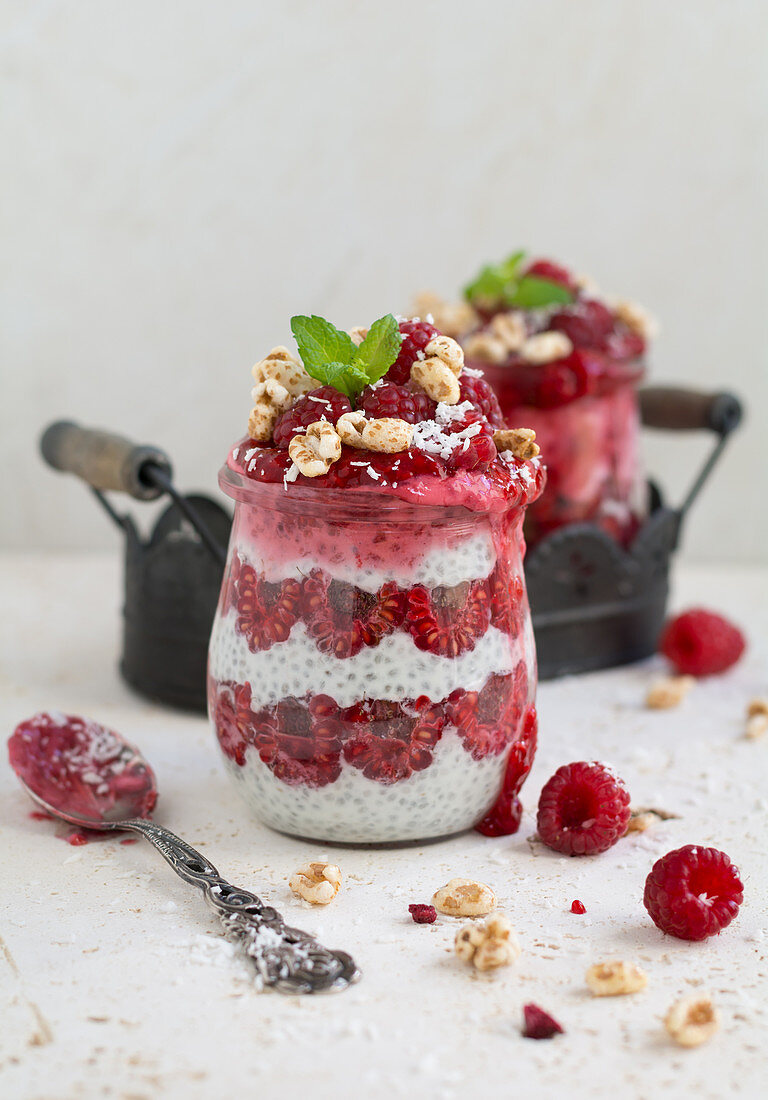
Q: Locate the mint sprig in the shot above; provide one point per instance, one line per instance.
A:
(332, 357)
(502, 285)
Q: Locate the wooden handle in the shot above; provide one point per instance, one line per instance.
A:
(680, 410)
(104, 460)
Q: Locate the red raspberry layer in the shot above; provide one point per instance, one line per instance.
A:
(488, 720)
(448, 621)
(342, 619)
(324, 403)
(583, 809)
(266, 613)
(693, 892)
(701, 643)
(417, 335)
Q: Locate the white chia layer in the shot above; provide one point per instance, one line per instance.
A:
(394, 669)
(473, 557)
(451, 795)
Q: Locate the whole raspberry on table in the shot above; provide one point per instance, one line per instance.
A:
(324, 403)
(423, 914)
(388, 399)
(583, 809)
(539, 1024)
(701, 643)
(693, 892)
(417, 335)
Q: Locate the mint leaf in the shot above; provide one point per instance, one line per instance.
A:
(510, 267)
(531, 292)
(491, 285)
(346, 377)
(321, 343)
(379, 349)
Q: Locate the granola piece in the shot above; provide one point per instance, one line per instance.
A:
(271, 399)
(437, 380)
(692, 1020)
(387, 434)
(488, 945)
(545, 347)
(636, 318)
(485, 348)
(358, 334)
(315, 451)
(285, 369)
(668, 691)
(509, 327)
(757, 718)
(449, 351)
(452, 318)
(463, 897)
(615, 978)
(520, 441)
(317, 883)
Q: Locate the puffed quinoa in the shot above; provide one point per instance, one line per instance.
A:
(668, 691)
(587, 285)
(315, 451)
(358, 334)
(545, 347)
(509, 328)
(488, 945)
(388, 434)
(437, 380)
(271, 399)
(448, 351)
(520, 441)
(285, 369)
(615, 978)
(463, 897)
(692, 1020)
(757, 718)
(636, 318)
(485, 348)
(452, 318)
(317, 883)
(640, 821)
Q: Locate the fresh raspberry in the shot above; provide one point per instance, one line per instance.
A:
(539, 1024)
(693, 892)
(233, 719)
(578, 907)
(324, 403)
(583, 809)
(701, 643)
(587, 324)
(556, 273)
(266, 613)
(417, 335)
(342, 619)
(388, 399)
(448, 621)
(503, 818)
(474, 448)
(352, 469)
(480, 394)
(423, 914)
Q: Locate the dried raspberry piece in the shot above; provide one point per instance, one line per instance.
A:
(266, 612)
(539, 1024)
(701, 643)
(342, 619)
(417, 335)
(423, 914)
(586, 324)
(693, 892)
(324, 403)
(448, 621)
(578, 907)
(556, 273)
(583, 809)
(503, 818)
(388, 399)
(233, 719)
(479, 393)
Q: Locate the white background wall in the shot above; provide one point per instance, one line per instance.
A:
(180, 177)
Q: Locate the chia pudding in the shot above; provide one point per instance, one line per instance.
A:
(372, 669)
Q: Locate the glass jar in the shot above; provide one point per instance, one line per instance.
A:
(585, 413)
(372, 668)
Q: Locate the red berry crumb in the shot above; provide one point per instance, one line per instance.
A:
(423, 914)
(701, 643)
(578, 907)
(583, 809)
(693, 892)
(539, 1024)
(324, 403)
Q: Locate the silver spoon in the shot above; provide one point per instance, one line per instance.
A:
(108, 777)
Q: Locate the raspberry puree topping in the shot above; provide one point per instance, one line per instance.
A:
(81, 768)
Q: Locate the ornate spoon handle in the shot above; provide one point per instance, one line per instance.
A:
(286, 958)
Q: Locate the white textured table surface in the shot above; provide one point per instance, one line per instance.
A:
(115, 982)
